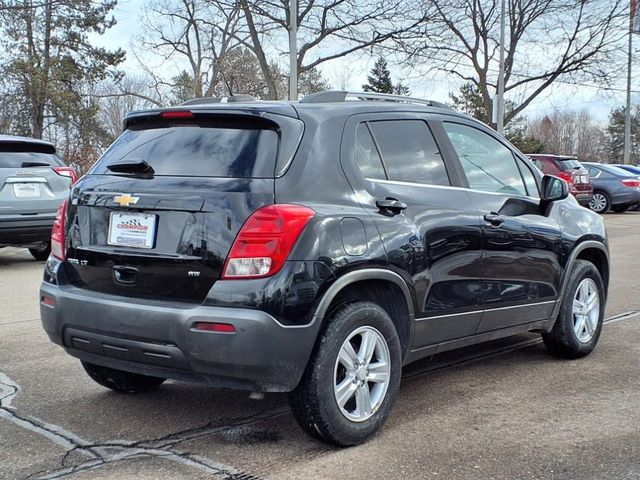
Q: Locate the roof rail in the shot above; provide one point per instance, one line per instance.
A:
(344, 96)
(229, 99)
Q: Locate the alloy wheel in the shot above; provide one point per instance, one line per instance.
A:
(361, 374)
(598, 202)
(586, 310)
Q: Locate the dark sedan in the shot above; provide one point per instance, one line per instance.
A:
(613, 188)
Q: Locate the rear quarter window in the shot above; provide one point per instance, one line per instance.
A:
(197, 150)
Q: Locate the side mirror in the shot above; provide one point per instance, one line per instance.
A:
(553, 189)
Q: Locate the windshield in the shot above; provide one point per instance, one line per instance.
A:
(196, 151)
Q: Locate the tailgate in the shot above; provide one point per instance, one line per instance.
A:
(170, 244)
(157, 215)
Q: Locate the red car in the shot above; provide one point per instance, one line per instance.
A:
(569, 169)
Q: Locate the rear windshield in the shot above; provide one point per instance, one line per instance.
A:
(192, 150)
(28, 159)
(569, 163)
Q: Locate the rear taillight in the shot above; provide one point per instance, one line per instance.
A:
(566, 176)
(265, 241)
(631, 183)
(58, 248)
(67, 172)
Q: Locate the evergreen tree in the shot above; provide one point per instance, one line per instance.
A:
(525, 143)
(615, 133)
(312, 81)
(50, 63)
(182, 88)
(379, 81)
(401, 89)
(470, 101)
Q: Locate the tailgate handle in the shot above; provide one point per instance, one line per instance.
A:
(124, 275)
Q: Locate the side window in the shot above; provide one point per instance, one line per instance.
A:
(367, 157)
(529, 179)
(488, 164)
(409, 152)
(593, 172)
(537, 163)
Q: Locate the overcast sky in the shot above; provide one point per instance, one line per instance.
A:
(562, 96)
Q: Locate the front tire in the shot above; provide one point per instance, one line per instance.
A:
(119, 380)
(579, 323)
(353, 378)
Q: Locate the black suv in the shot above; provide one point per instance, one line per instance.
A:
(315, 247)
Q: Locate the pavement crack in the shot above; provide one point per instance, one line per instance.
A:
(103, 453)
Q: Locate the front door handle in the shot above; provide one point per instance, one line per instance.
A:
(391, 204)
(494, 219)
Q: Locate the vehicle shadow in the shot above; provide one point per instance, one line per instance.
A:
(10, 256)
(218, 423)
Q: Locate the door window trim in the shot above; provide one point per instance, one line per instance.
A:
(347, 150)
(515, 154)
(384, 162)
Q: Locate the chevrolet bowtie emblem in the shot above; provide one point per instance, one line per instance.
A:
(125, 200)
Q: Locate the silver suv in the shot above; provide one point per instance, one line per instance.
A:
(33, 183)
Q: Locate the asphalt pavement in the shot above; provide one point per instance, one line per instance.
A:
(503, 410)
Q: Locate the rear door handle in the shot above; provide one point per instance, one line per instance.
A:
(494, 219)
(391, 204)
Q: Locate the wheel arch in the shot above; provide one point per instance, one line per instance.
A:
(384, 287)
(591, 251)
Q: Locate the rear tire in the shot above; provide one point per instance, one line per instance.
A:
(119, 380)
(41, 253)
(620, 208)
(343, 368)
(600, 202)
(579, 323)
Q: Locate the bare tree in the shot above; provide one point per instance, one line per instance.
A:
(547, 41)
(327, 29)
(198, 34)
(116, 99)
(571, 133)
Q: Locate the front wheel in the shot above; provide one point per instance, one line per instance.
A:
(352, 380)
(579, 323)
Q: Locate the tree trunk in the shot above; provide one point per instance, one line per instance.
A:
(259, 52)
(42, 86)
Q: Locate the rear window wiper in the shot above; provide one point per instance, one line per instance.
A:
(35, 164)
(138, 166)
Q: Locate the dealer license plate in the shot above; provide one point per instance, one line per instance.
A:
(26, 190)
(132, 229)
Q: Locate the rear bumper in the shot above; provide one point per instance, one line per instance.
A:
(158, 339)
(27, 231)
(583, 198)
